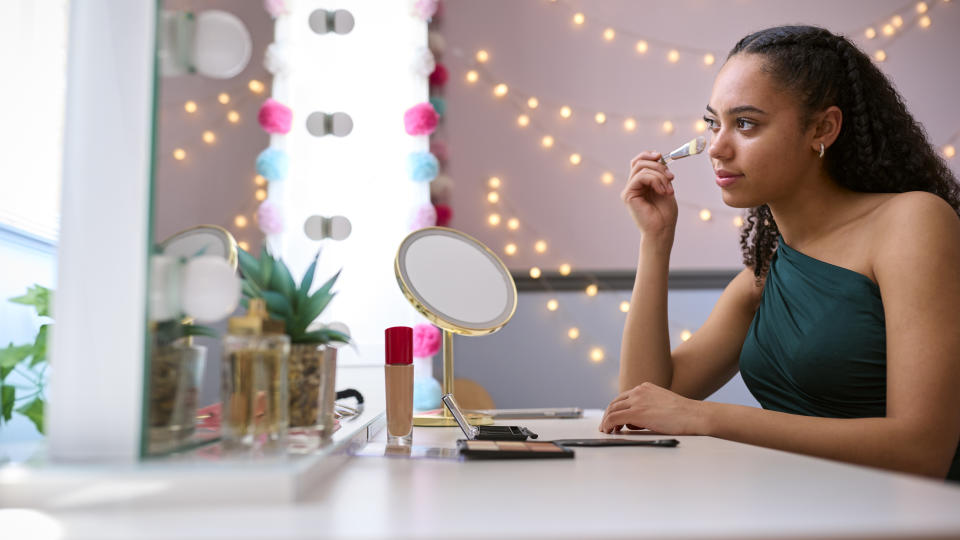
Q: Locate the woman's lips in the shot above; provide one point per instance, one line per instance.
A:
(726, 179)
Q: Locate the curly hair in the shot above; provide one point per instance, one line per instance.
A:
(880, 148)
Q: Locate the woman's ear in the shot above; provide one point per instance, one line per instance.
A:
(826, 127)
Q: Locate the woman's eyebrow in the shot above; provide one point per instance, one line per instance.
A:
(739, 109)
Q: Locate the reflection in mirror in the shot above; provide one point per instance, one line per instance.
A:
(339, 21)
(212, 43)
(337, 124)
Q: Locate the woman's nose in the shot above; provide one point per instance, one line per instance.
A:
(719, 147)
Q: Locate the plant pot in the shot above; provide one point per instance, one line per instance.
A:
(312, 372)
(175, 375)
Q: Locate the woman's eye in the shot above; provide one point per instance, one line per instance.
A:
(744, 124)
(710, 122)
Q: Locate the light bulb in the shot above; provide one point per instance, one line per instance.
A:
(578, 18)
(533, 103)
(667, 127)
(493, 219)
(738, 222)
(233, 117)
(546, 141)
(510, 249)
(673, 56)
(540, 246)
(709, 59)
(523, 120)
(925, 21)
(179, 154)
(255, 86)
(575, 159)
(240, 221)
(705, 215)
(224, 98)
(552, 305)
(880, 56)
(642, 46)
(685, 335)
(472, 76)
(596, 355)
(600, 118)
(629, 124)
(591, 290)
(888, 30)
(482, 56)
(870, 33)
(493, 197)
(949, 151)
(209, 137)
(564, 269)
(609, 34)
(700, 126)
(513, 224)
(259, 180)
(624, 306)
(190, 106)
(244, 246)
(897, 21)
(573, 333)
(260, 194)
(535, 273)
(607, 178)
(921, 7)
(500, 90)
(565, 111)
(494, 182)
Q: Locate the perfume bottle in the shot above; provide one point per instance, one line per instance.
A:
(253, 383)
(398, 378)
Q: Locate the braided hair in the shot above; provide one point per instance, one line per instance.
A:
(880, 148)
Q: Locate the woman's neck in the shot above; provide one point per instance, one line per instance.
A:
(818, 207)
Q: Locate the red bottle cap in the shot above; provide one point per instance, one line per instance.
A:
(399, 345)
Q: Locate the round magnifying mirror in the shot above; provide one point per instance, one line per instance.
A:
(458, 284)
(202, 240)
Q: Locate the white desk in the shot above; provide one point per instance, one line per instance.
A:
(705, 488)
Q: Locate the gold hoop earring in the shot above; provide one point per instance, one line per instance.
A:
(821, 150)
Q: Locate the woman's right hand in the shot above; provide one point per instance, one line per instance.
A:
(649, 195)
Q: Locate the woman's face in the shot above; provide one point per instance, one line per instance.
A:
(758, 149)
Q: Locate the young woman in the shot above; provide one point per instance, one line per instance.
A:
(845, 323)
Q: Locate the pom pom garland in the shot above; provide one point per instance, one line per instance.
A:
(439, 149)
(426, 340)
(425, 216)
(269, 218)
(275, 117)
(422, 166)
(426, 393)
(273, 164)
(275, 8)
(437, 43)
(420, 119)
(425, 9)
(439, 76)
(276, 59)
(439, 105)
(423, 62)
(444, 215)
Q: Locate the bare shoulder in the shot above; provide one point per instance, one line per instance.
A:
(745, 290)
(914, 226)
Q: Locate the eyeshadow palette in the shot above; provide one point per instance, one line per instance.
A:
(476, 449)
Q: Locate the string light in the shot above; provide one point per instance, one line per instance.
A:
(949, 151)
(260, 194)
(523, 120)
(575, 159)
(564, 269)
(190, 106)
(209, 137)
(609, 34)
(510, 249)
(607, 178)
(255, 86)
(709, 59)
(244, 246)
(738, 222)
(870, 33)
(924, 22)
(540, 246)
(513, 224)
(259, 180)
(482, 56)
(685, 335)
(596, 355)
(240, 221)
(533, 103)
(565, 112)
(700, 126)
(493, 197)
(921, 7)
(705, 214)
(494, 219)
(552, 304)
(573, 333)
(494, 182)
(500, 90)
(600, 118)
(578, 18)
(224, 98)
(888, 30)
(472, 76)
(629, 124)
(897, 21)
(624, 306)
(673, 56)
(642, 47)
(591, 290)
(179, 154)
(667, 127)
(535, 273)
(233, 117)
(880, 56)
(546, 141)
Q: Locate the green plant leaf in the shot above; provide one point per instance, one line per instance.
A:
(14, 354)
(250, 289)
(266, 267)
(283, 283)
(324, 335)
(278, 305)
(315, 306)
(4, 371)
(249, 267)
(8, 395)
(38, 297)
(40, 347)
(199, 330)
(307, 281)
(33, 411)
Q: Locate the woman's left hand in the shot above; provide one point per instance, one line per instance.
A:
(655, 408)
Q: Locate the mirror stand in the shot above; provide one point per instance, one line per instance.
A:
(443, 418)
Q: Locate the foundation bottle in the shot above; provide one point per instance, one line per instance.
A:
(398, 377)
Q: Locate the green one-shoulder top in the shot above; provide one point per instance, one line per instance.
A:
(817, 344)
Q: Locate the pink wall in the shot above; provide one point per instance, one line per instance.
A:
(536, 49)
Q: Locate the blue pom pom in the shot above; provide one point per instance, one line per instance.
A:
(426, 394)
(439, 105)
(273, 164)
(422, 166)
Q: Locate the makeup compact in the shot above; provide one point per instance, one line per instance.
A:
(486, 433)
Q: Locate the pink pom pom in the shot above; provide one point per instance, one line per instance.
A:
(425, 216)
(439, 150)
(275, 117)
(425, 8)
(439, 76)
(275, 8)
(426, 340)
(444, 215)
(439, 12)
(270, 218)
(420, 119)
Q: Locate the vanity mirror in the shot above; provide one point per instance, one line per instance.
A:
(461, 286)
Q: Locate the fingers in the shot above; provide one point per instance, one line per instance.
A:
(648, 155)
(649, 178)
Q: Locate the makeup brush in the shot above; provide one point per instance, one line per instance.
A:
(695, 146)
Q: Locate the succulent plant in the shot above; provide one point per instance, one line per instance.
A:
(270, 279)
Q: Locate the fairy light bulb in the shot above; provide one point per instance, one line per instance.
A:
(685, 335)
(578, 19)
(880, 56)
(540, 246)
(513, 224)
(738, 222)
(472, 76)
(535, 273)
(870, 33)
(700, 126)
(565, 112)
(897, 21)
(624, 306)
(255, 86)
(924, 21)
(179, 154)
(510, 249)
(591, 290)
(546, 141)
(482, 56)
(500, 90)
(493, 219)
(921, 7)
(673, 56)
(709, 59)
(705, 215)
(575, 159)
(494, 182)
(240, 221)
(564, 269)
(949, 151)
(629, 124)
(888, 30)
(244, 246)
(600, 118)
(223, 98)
(233, 117)
(523, 120)
(642, 47)
(607, 178)
(260, 194)
(609, 34)
(533, 103)
(552, 305)
(259, 180)
(209, 137)
(190, 106)
(596, 355)
(667, 127)
(573, 333)
(493, 197)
